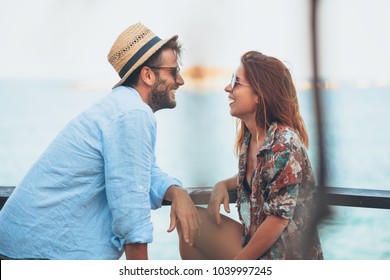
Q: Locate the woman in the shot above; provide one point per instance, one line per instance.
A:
(275, 180)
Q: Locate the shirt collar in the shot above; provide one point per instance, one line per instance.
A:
(269, 140)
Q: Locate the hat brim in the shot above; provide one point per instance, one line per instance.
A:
(143, 58)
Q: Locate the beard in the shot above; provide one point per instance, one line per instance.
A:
(159, 96)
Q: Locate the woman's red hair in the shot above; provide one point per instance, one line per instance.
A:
(278, 101)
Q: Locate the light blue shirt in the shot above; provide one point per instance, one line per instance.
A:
(93, 189)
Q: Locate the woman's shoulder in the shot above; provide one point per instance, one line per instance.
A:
(288, 137)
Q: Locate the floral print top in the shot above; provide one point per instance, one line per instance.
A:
(282, 185)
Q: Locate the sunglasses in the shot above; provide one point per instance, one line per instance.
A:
(175, 71)
(234, 81)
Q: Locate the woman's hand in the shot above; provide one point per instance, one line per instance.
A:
(218, 196)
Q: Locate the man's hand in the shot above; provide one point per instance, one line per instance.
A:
(184, 210)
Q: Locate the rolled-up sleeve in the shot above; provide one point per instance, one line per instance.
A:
(161, 181)
(128, 144)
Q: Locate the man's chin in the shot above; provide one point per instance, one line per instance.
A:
(171, 105)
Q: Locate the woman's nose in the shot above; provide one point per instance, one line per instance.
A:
(228, 88)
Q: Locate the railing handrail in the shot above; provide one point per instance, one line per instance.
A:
(336, 196)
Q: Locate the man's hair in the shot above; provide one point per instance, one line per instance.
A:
(154, 60)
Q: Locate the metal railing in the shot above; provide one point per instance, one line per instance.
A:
(351, 197)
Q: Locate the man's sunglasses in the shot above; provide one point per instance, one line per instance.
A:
(175, 71)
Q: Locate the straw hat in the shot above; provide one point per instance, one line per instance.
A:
(132, 48)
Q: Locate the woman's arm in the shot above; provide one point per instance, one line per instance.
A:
(263, 239)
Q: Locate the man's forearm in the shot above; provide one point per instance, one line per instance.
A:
(136, 251)
(172, 192)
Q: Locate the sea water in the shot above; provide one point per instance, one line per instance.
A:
(195, 144)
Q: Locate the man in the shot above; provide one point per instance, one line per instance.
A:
(89, 196)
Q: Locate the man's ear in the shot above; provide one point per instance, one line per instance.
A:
(147, 76)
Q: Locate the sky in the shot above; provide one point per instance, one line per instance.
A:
(71, 39)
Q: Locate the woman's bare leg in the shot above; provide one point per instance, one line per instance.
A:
(215, 242)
